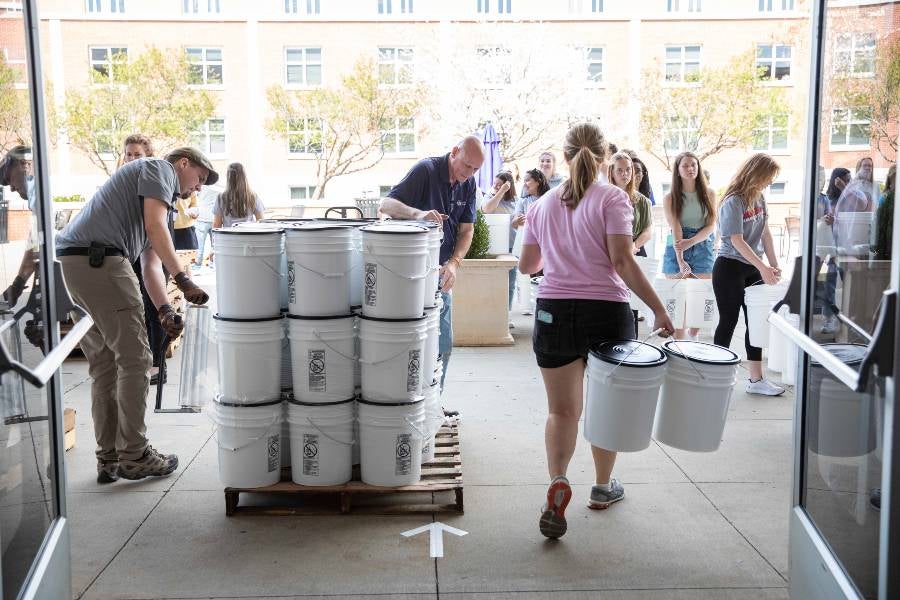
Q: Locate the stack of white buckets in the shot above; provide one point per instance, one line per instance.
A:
(319, 272)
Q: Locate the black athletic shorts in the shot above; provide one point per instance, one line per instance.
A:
(565, 330)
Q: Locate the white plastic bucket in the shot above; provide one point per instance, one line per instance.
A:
(318, 261)
(701, 310)
(621, 400)
(249, 439)
(759, 300)
(395, 267)
(434, 417)
(789, 351)
(673, 293)
(285, 434)
(777, 346)
(249, 352)
(248, 271)
(392, 353)
(357, 367)
(498, 228)
(846, 423)
(650, 268)
(852, 231)
(390, 439)
(695, 395)
(287, 375)
(324, 356)
(435, 237)
(432, 345)
(321, 442)
(282, 269)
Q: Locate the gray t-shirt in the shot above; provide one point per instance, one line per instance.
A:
(114, 216)
(736, 218)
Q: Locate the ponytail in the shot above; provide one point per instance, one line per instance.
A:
(584, 150)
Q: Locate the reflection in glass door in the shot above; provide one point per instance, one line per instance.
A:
(841, 540)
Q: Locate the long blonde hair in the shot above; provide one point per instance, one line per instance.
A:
(703, 195)
(755, 175)
(584, 151)
(238, 200)
(629, 187)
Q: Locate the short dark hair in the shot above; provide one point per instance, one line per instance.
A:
(15, 154)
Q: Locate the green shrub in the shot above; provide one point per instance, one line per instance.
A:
(73, 198)
(481, 241)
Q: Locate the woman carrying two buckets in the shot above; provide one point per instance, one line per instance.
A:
(580, 233)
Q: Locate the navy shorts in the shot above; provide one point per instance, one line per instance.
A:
(565, 330)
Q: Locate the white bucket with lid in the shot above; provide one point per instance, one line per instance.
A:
(249, 440)
(282, 269)
(249, 353)
(395, 267)
(433, 264)
(695, 395)
(248, 271)
(319, 269)
(324, 357)
(852, 232)
(434, 418)
(673, 294)
(287, 374)
(759, 300)
(498, 226)
(390, 439)
(285, 433)
(432, 345)
(392, 353)
(321, 442)
(621, 398)
(789, 351)
(701, 310)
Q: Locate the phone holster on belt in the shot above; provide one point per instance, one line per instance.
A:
(96, 254)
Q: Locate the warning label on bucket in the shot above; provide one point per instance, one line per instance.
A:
(412, 371)
(709, 310)
(273, 449)
(317, 378)
(310, 455)
(371, 293)
(292, 293)
(404, 454)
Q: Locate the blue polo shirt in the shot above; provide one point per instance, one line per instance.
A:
(427, 187)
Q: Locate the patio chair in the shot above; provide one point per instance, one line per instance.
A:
(343, 212)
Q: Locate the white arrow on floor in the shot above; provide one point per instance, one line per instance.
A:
(437, 530)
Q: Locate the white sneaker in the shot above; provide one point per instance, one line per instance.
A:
(764, 387)
(830, 326)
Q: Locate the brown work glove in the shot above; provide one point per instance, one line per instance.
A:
(192, 293)
(170, 320)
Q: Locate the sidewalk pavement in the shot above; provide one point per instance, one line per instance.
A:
(692, 526)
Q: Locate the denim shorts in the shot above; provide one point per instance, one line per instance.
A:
(700, 256)
(565, 330)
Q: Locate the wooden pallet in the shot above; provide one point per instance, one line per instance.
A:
(439, 477)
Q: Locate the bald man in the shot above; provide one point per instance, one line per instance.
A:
(442, 189)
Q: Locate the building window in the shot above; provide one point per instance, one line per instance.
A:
(384, 190)
(680, 134)
(301, 193)
(502, 6)
(293, 7)
(386, 7)
(593, 58)
(688, 5)
(682, 64)
(395, 66)
(201, 7)
(854, 54)
(211, 137)
(114, 6)
(771, 133)
(851, 127)
(773, 61)
(105, 141)
(776, 190)
(495, 64)
(398, 135)
(206, 66)
(107, 63)
(304, 136)
(773, 5)
(303, 66)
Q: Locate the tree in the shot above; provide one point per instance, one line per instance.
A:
(150, 95)
(717, 109)
(878, 97)
(347, 128)
(15, 114)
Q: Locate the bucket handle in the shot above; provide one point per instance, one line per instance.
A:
(624, 358)
(250, 250)
(332, 348)
(689, 361)
(256, 439)
(384, 360)
(341, 442)
(401, 275)
(319, 273)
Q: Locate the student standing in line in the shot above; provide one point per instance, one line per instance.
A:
(691, 215)
(580, 233)
(744, 228)
(825, 209)
(641, 176)
(503, 201)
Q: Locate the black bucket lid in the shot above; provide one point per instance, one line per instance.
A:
(249, 230)
(217, 317)
(317, 226)
(395, 229)
(218, 400)
(701, 352)
(293, 400)
(405, 403)
(849, 354)
(384, 320)
(643, 355)
(319, 318)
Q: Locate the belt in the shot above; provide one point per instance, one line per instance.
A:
(108, 251)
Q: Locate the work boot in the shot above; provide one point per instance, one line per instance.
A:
(151, 464)
(107, 471)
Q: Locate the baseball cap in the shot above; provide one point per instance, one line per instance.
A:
(15, 154)
(196, 157)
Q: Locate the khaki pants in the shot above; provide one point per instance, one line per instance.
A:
(117, 351)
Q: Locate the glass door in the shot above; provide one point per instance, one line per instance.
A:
(844, 530)
(34, 542)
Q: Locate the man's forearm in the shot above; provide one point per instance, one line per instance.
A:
(463, 242)
(161, 242)
(398, 210)
(154, 281)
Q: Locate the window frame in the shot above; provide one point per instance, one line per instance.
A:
(95, 7)
(207, 134)
(772, 63)
(504, 7)
(589, 82)
(109, 63)
(308, 190)
(313, 7)
(397, 65)
(683, 61)
(682, 131)
(305, 133)
(495, 56)
(847, 124)
(770, 128)
(396, 131)
(691, 6)
(305, 63)
(204, 63)
(213, 7)
(852, 51)
(771, 6)
(386, 7)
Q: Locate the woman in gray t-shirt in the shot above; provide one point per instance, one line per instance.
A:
(744, 228)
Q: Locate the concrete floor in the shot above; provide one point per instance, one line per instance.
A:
(692, 526)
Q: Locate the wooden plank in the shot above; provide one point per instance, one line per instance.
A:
(69, 440)
(68, 419)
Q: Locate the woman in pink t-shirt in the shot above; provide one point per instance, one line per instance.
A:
(580, 233)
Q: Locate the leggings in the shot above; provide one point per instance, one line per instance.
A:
(729, 278)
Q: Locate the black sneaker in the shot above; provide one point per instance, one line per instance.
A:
(107, 471)
(151, 464)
